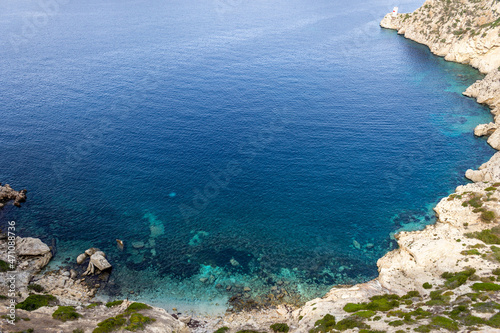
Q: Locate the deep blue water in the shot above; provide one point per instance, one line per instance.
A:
(279, 134)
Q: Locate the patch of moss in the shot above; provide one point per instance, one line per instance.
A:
(280, 327)
(427, 285)
(323, 325)
(137, 307)
(36, 287)
(33, 302)
(222, 330)
(114, 303)
(445, 323)
(110, 324)
(65, 313)
(137, 322)
(485, 286)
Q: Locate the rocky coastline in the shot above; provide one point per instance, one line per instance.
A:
(443, 278)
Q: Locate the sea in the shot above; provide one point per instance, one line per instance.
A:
(236, 147)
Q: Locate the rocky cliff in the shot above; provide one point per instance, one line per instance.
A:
(443, 278)
(465, 31)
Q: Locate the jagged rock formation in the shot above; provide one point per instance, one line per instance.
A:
(8, 194)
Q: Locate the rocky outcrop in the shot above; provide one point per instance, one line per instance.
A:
(487, 91)
(98, 262)
(8, 194)
(28, 259)
(462, 31)
(43, 322)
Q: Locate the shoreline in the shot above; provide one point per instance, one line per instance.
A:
(422, 256)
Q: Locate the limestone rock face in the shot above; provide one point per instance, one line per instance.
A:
(485, 129)
(456, 36)
(487, 91)
(488, 172)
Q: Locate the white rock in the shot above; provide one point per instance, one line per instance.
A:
(31, 247)
(81, 258)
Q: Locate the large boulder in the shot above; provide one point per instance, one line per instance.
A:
(98, 259)
(31, 247)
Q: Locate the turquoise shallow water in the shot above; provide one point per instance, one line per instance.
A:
(292, 138)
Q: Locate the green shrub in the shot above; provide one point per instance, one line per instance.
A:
(354, 307)
(396, 323)
(470, 320)
(93, 305)
(488, 216)
(437, 298)
(491, 188)
(411, 294)
(427, 285)
(247, 331)
(323, 325)
(280, 327)
(4, 266)
(110, 324)
(33, 302)
(489, 236)
(445, 323)
(365, 313)
(494, 321)
(36, 287)
(78, 330)
(454, 280)
(137, 307)
(222, 330)
(65, 313)
(485, 286)
(470, 252)
(138, 321)
(419, 313)
(350, 323)
(423, 329)
(114, 303)
(485, 307)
